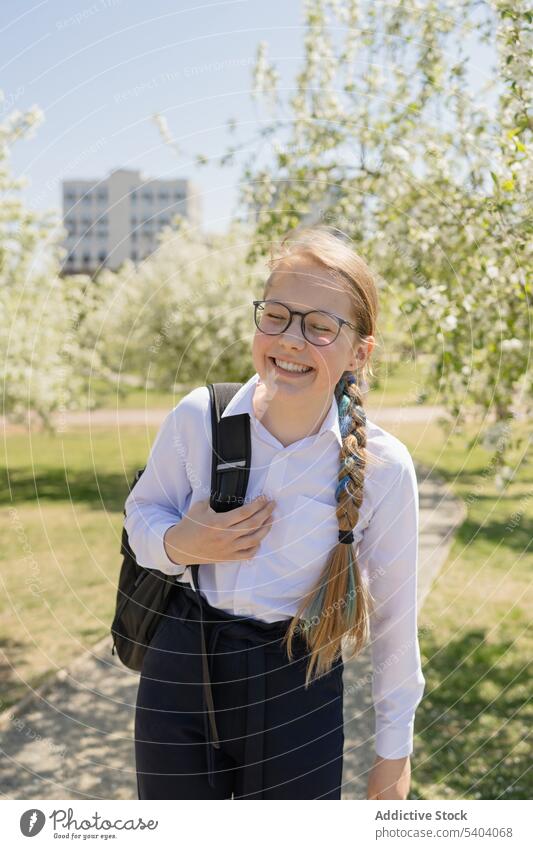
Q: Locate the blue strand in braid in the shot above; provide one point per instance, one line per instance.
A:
(315, 608)
(343, 484)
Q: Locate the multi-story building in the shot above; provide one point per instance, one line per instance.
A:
(111, 220)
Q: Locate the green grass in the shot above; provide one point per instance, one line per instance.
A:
(60, 531)
(475, 636)
(140, 399)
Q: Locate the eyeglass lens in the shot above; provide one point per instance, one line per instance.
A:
(319, 327)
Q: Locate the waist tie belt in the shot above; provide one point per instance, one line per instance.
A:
(256, 633)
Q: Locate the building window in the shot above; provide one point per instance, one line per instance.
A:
(87, 198)
(71, 259)
(148, 197)
(86, 259)
(71, 196)
(133, 196)
(163, 195)
(134, 222)
(134, 256)
(134, 236)
(179, 196)
(102, 256)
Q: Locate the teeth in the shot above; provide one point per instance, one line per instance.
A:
(291, 366)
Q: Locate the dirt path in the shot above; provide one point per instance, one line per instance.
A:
(153, 417)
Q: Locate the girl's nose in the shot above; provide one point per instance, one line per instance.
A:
(293, 333)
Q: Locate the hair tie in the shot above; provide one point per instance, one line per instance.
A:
(346, 537)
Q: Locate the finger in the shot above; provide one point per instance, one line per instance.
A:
(253, 528)
(247, 553)
(248, 511)
(249, 540)
(258, 519)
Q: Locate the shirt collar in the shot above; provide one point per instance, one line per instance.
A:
(242, 403)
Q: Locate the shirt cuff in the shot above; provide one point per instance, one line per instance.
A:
(159, 559)
(394, 741)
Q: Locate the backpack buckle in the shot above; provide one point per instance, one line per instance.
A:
(227, 467)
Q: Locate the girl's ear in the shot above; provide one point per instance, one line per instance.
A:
(356, 360)
(361, 354)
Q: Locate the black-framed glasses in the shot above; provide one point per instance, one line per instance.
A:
(318, 327)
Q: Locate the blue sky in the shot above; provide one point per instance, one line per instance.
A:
(99, 69)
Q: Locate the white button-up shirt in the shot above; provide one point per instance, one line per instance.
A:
(302, 478)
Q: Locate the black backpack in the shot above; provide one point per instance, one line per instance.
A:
(143, 593)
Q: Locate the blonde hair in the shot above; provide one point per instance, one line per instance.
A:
(339, 605)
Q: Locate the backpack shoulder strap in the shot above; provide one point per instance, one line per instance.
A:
(231, 455)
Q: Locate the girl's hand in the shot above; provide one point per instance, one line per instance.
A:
(389, 779)
(205, 536)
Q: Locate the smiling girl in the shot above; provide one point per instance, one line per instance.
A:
(321, 558)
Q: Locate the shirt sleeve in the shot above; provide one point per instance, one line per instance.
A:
(388, 554)
(157, 501)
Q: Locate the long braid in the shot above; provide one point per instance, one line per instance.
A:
(339, 605)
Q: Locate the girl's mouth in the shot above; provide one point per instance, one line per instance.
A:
(285, 368)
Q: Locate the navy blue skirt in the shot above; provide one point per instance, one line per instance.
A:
(266, 736)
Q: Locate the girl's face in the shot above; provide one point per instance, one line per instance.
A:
(306, 286)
